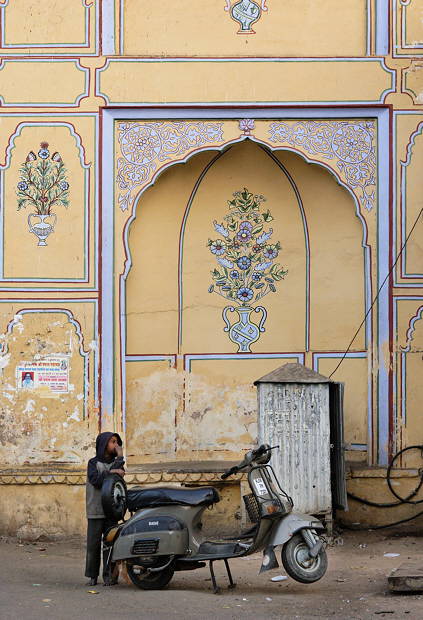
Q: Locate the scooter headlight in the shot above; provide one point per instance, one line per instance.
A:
(270, 508)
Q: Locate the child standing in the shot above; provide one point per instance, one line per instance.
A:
(108, 459)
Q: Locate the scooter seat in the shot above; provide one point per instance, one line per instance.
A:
(163, 496)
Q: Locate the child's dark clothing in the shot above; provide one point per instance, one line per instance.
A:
(97, 470)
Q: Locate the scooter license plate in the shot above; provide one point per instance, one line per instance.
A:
(260, 486)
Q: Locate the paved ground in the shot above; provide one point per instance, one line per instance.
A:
(45, 581)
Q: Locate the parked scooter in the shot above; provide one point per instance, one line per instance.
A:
(165, 533)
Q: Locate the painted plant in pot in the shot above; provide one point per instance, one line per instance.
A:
(42, 186)
(246, 271)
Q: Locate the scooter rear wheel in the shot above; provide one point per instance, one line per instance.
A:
(298, 563)
(149, 581)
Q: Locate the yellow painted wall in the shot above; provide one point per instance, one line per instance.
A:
(61, 63)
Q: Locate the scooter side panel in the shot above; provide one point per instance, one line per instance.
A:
(151, 535)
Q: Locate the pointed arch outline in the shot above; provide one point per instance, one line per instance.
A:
(269, 148)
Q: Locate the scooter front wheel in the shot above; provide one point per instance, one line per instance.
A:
(298, 563)
(145, 580)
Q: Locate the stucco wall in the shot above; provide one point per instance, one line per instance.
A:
(118, 297)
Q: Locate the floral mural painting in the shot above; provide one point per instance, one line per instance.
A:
(246, 271)
(42, 186)
(245, 13)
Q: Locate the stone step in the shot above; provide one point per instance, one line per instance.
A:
(408, 577)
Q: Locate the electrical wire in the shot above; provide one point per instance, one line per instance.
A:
(401, 500)
(378, 293)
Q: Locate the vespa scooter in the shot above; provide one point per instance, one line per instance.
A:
(165, 533)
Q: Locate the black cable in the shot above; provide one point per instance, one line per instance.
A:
(381, 527)
(405, 500)
(402, 500)
(378, 293)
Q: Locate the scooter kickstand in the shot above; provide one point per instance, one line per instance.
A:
(216, 588)
(231, 581)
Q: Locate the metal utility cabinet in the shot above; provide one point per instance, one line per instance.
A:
(301, 411)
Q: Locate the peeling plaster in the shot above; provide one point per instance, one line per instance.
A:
(35, 429)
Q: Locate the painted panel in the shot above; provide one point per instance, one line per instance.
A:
(135, 81)
(247, 28)
(413, 81)
(408, 315)
(357, 415)
(41, 424)
(236, 274)
(220, 407)
(154, 393)
(152, 284)
(59, 27)
(408, 27)
(48, 202)
(41, 79)
(409, 153)
(337, 241)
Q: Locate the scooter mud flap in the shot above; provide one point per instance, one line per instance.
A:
(269, 560)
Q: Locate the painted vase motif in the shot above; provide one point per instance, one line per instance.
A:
(42, 185)
(42, 229)
(244, 332)
(246, 13)
(246, 270)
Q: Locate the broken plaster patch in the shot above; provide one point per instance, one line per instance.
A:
(29, 407)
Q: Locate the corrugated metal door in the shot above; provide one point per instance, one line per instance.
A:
(296, 417)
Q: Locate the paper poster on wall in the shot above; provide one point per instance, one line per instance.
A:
(50, 372)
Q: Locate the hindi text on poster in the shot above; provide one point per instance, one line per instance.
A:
(50, 372)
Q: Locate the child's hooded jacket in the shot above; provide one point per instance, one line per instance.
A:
(97, 469)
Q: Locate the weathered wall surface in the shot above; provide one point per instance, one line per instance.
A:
(106, 321)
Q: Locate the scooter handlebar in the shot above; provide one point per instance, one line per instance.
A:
(229, 472)
(249, 458)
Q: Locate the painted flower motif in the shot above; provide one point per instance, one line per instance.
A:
(217, 247)
(22, 186)
(56, 157)
(31, 156)
(234, 274)
(246, 124)
(64, 185)
(243, 263)
(270, 251)
(244, 234)
(43, 153)
(256, 276)
(257, 248)
(245, 294)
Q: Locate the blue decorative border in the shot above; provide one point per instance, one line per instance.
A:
(38, 120)
(74, 47)
(45, 104)
(57, 310)
(383, 224)
(206, 61)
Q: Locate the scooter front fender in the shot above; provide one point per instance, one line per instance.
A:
(290, 525)
(282, 531)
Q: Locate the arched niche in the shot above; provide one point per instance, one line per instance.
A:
(188, 389)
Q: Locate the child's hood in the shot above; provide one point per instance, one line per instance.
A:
(101, 443)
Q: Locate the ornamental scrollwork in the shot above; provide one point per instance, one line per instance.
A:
(145, 146)
(351, 144)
